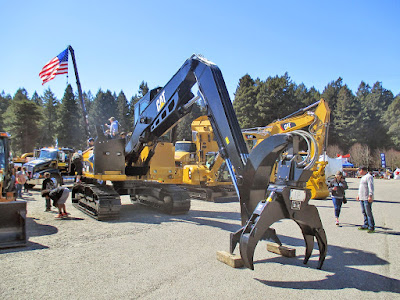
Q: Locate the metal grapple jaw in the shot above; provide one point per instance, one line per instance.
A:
(274, 209)
(287, 198)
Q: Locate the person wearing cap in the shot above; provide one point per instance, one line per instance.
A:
(113, 128)
(336, 188)
(90, 142)
(366, 197)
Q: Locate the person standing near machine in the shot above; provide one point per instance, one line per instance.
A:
(336, 188)
(113, 128)
(20, 181)
(47, 184)
(366, 197)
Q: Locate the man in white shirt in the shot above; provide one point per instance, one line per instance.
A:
(366, 197)
(113, 128)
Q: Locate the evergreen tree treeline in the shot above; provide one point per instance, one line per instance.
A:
(43, 121)
(369, 117)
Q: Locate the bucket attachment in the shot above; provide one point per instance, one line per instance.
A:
(12, 224)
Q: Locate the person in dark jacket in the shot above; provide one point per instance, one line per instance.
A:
(59, 195)
(47, 184)
(336, 188)
(78, 165)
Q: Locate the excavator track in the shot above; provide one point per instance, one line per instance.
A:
(101, 202)
(168, 198)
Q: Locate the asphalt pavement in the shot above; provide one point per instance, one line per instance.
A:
(149, 255)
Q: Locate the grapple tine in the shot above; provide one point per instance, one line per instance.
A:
(322, 245)
(249, 241)
(247, 247)
(310, 223)
(270, 234)
(257, 228)
(309, 239)
(235, 238)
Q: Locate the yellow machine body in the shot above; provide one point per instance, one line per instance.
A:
(317, 122)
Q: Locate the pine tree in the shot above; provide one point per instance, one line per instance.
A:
(330, 95)
(346, 118)
(245, 101)
(122, 115)
(143, 89)
(37, 99)
(391, 119)
(21, 120)
(70, 132)
(5, 101)
(184, 129)
(49, 119)
(373, 106)
(104, 106)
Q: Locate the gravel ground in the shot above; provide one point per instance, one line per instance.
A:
(148, 255)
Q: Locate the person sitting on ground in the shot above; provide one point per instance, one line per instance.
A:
(59, 195)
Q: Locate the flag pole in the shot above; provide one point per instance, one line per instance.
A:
(78, 83)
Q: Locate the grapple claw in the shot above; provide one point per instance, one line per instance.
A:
(235, 238)
(288, 198)
(247, 247)
(309, 239)
(322, 245)
(270, 234)
(310, 223)
(257, 228)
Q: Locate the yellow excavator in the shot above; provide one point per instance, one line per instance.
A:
(203, 171)
(316, 117)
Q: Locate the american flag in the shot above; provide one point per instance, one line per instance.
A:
(58, 65)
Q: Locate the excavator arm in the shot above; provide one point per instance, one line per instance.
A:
(173, 102)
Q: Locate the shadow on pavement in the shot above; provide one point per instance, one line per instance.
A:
(341, 262)
(33, 229)
(29, 247)
(142, 214)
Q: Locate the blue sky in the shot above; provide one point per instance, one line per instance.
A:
(118, 44)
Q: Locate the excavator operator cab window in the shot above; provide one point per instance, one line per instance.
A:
(185, 147)
(210, 159)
